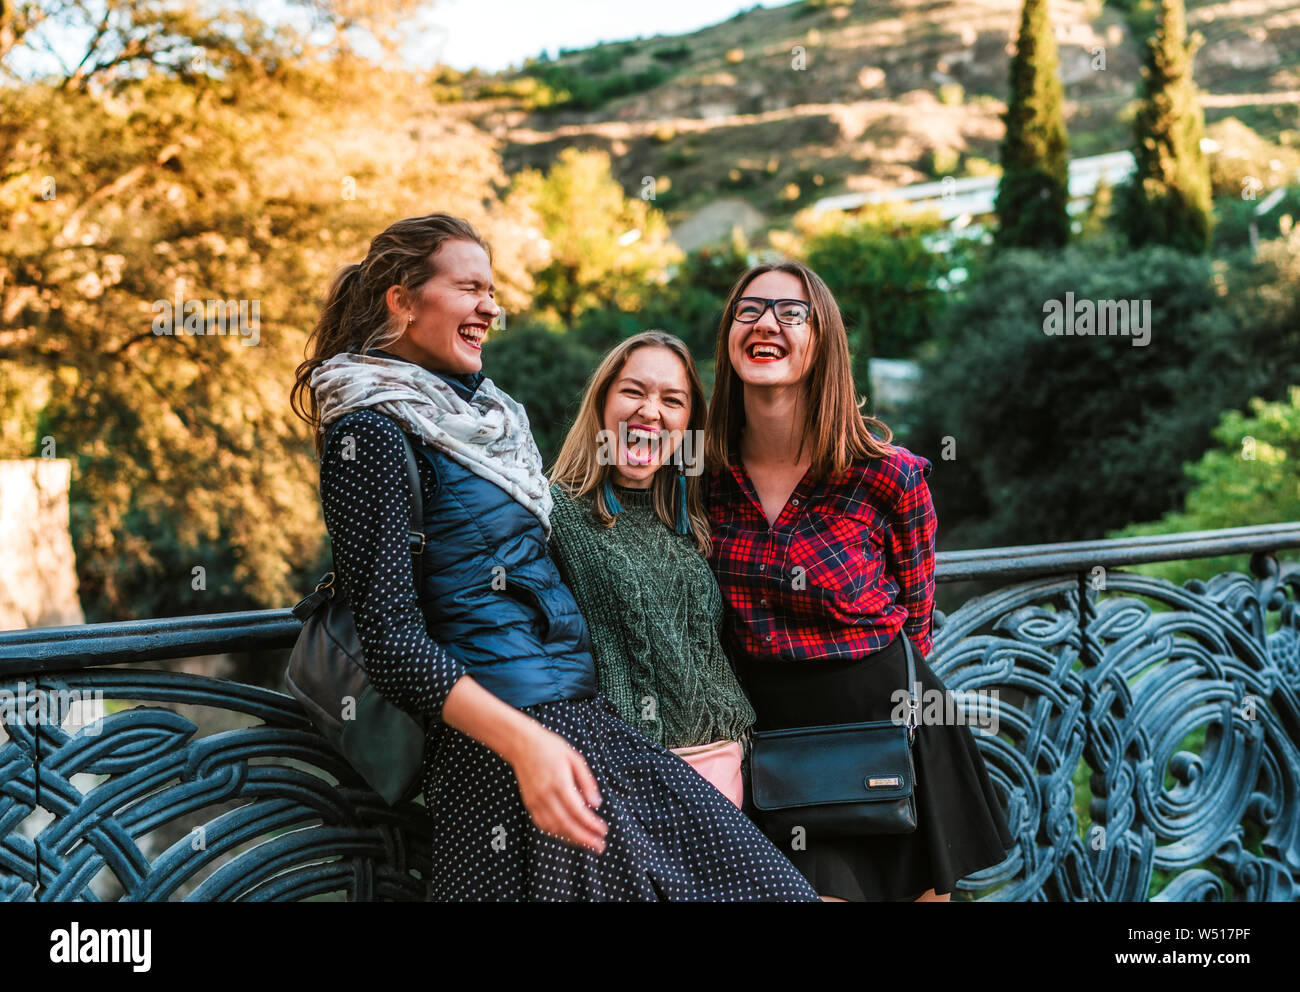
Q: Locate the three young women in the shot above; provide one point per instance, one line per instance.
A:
(535, 787)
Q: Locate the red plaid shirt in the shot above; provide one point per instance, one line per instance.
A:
(845, 566)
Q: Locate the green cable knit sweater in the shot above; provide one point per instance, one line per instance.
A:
(654, 613)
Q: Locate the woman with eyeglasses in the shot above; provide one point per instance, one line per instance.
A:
(823, 546)
(535, 788)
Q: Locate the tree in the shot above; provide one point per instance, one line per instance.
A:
(247, 178)
(1252, 476)
(607, 249)
(90, 42)
(1168, 199)
(1064, 437)
(1034, 189)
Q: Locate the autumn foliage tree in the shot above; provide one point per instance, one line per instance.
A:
(607, 249)
(205, 160)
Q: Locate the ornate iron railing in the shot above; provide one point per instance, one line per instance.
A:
(1174, 708)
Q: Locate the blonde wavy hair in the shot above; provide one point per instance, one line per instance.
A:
(577, 468)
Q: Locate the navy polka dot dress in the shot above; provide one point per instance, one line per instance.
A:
(671, 835)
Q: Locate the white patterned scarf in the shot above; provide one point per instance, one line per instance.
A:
(488, 434)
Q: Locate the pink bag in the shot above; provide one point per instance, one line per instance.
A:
(718, 762)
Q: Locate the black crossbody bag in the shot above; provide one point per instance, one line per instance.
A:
(840, 779)
(327, 675)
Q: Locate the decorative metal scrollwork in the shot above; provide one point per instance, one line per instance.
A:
(1147, 747)
(301, 823)
(1178, 703)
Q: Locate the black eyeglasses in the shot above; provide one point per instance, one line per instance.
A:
(749, 309)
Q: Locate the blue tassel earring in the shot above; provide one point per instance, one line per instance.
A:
(683, 514)
(611, 501)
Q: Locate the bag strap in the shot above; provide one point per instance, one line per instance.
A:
(324, 590)
(908, 649)
(911, 686)
(416, 532)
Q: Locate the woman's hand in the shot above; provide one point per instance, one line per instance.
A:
(558, 789)
(555, 784)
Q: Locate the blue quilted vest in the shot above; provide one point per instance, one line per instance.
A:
(492, 596)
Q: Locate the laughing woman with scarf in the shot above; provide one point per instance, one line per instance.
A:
(536, 788)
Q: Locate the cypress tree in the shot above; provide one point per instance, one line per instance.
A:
(1168, 199)
(1034, 189)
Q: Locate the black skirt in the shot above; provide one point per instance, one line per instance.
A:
(960, 824)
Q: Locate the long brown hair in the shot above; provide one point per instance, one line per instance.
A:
(840, 431)
(578, 468)
(355, 316)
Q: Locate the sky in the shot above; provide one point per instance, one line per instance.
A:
(489, 34)
(493, 34)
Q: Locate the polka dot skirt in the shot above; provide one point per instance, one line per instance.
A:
(671, 835)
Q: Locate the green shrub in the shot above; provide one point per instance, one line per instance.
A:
(602, 60)
(951, 94)
(939, 162)
(546, 371)
(1234, 215)
(673, 54)
(679, 155)
(577, 89)
(1063, 438)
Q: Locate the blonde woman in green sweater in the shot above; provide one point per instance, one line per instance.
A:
(630, 535)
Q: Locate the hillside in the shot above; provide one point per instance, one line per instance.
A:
(775, 108)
